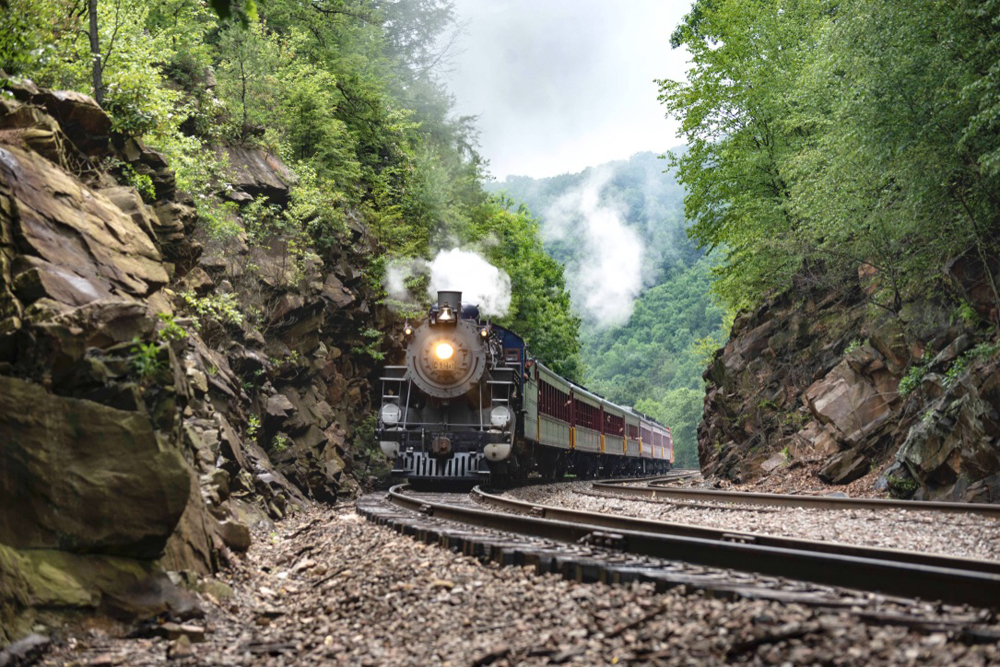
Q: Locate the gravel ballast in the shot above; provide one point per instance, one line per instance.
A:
(326, 587)
(968, 536)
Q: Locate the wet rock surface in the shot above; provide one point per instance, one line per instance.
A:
(326, 587)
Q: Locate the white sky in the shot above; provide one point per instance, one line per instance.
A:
(560, 85)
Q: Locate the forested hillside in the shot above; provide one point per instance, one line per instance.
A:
(653, 355)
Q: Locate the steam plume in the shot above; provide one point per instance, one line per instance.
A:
(464, 271)
(609, 277)
(479, 281)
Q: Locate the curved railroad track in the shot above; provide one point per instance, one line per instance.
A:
(587, 545)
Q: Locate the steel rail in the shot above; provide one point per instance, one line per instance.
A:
(958, 584)
(618, 521)
(781, 500)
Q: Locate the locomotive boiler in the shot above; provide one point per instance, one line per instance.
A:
(469, 402)
(452, 407)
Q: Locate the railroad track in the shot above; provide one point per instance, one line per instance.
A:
(621, 548)
(654, 489)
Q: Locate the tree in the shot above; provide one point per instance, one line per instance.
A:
(733, 111)
(827, 136)
(540, 309)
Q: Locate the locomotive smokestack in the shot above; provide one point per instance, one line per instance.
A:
(451, 299)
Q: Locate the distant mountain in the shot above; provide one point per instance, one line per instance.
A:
(649, 201)
(639, 283)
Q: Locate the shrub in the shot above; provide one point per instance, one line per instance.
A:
(145, 359)
(221, 308)
(170, 331)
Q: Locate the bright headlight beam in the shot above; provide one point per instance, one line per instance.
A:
(444, 351)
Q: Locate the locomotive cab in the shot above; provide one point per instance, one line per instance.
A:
(450, 410)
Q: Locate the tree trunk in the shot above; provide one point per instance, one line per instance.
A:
(95, 53)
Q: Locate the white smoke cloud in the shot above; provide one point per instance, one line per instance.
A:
(608, 278)
(467, 272)
(457, 270)
(396, 274)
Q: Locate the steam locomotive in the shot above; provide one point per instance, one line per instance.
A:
(470, 403)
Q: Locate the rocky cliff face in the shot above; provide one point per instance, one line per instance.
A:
(825, 383)
(139, 436)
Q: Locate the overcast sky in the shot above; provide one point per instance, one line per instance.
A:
(560, 85)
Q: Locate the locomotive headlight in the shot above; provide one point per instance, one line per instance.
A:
(444, 351)
(500, 416)
(390, 414)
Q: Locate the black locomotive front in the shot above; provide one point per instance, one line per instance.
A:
(451, 410)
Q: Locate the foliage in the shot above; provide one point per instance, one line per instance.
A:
(540, 309)
(655, 360)
(914, 376)
(650, 203)
(253, 426)
(31, 33)
(145, 359)
(985, 350)
(170, 330)
(855, 344)
(369, 455)
(221, 308)
(956, 370)
(826, 134)
(902, 486)
(143, 183)
(347, 94)
(372, 345)
(249, 77)
(279, 443)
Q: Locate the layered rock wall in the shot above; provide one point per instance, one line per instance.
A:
(821, 380)
(137, 435)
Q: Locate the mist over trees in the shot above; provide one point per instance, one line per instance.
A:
(828, 135)
(654, 359)
(346, 92)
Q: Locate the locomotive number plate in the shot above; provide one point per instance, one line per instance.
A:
(446, 365)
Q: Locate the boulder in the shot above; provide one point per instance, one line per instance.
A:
(86, 124)
(950, 440)
(846, 400)
(845, 467)
(898, 481)
(774, 462)
(191, 547)
(27, 651)
(76, 245)
(335, 292)
(754, 342)
(967, 274)
(986, 490)
(27, 126)
(128, 200)
(279, 407)
(259, 173)
(951, 351)
(80, 476)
